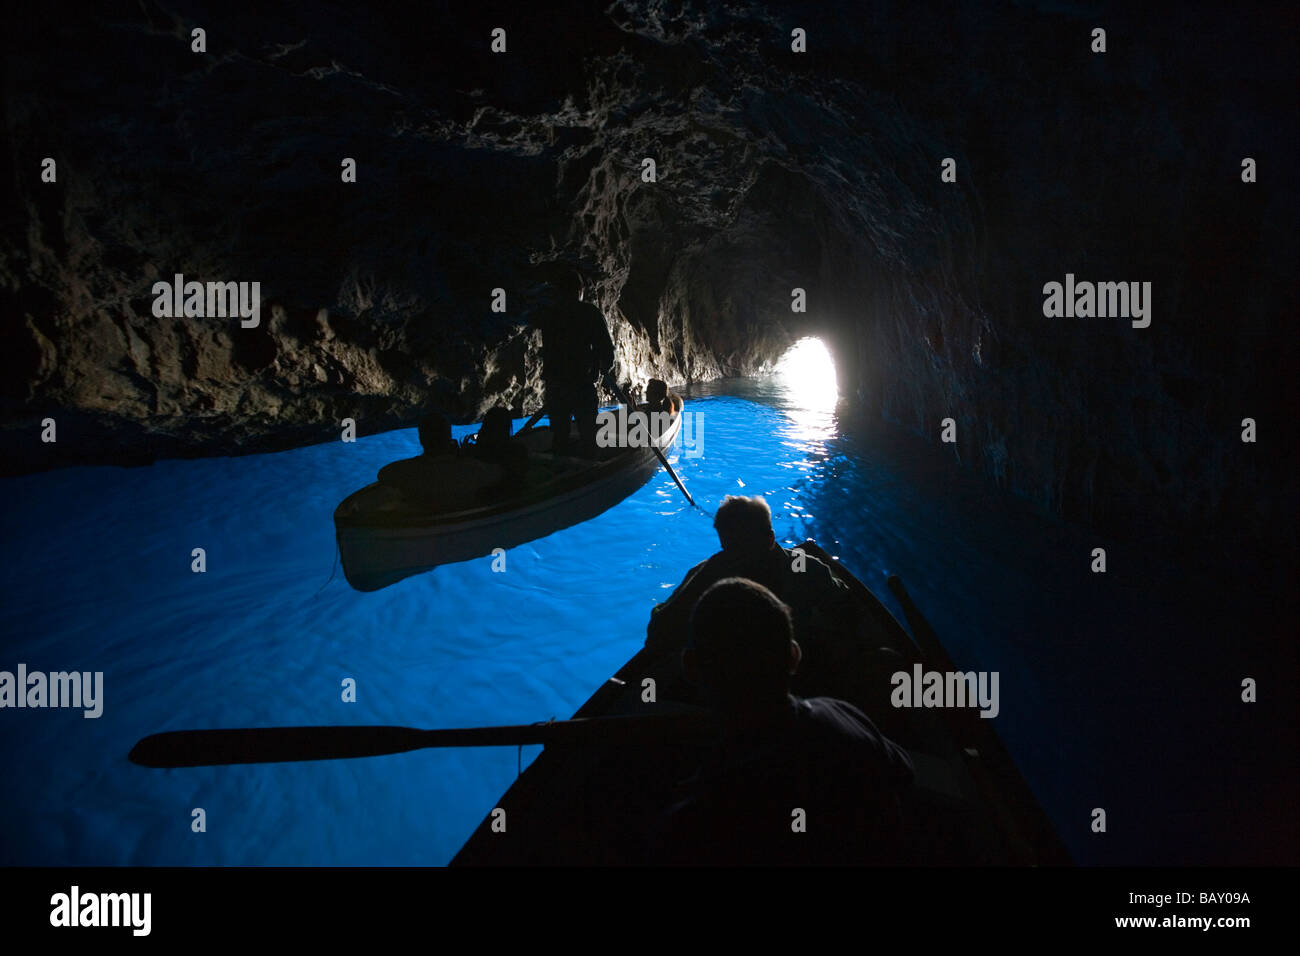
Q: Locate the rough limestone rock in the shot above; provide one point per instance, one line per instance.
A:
(775, 170)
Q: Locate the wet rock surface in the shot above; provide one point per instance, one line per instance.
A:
(775, 170)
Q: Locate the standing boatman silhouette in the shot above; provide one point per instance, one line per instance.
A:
(576, 352)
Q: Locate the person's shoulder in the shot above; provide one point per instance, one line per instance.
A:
(836, 713)
(715, 566)
(586, 309)
(687, 581)
(836, 722)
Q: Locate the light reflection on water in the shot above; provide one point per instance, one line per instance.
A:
(804, 384)
(104, 583)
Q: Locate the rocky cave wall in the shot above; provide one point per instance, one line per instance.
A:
(774, 170)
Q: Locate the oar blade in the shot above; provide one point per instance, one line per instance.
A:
(208, 748)
(211, 748)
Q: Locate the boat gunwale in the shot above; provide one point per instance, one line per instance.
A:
(575, 481)
(997, 785)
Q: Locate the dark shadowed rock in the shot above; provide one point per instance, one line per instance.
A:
(775, 171)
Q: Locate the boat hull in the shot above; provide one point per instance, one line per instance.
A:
(377, 551)
(594, 805)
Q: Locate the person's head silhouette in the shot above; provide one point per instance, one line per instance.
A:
(435, 434)
(566, 284)
(494, 433)
(741, 650)
(744, 526)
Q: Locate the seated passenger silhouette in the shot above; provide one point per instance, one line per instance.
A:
(418, 478)
(825, 622)
(791, 781)
(435, 436)
(656, 395)
(659, 405)
(447, 477)
(492, 444)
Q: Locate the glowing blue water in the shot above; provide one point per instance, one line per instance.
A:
(98, 577)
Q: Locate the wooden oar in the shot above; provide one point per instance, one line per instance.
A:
(622, 397)
(1013, 800)
(922, 632)
(882, 618)
(209, 748)
(537, 417)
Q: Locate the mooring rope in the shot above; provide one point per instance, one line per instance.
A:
(333, 568)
